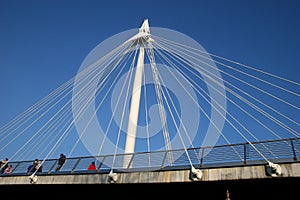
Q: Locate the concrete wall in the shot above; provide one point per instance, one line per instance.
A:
(214, 174)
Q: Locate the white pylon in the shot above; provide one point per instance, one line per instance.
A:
(136, 93)
(142, 38)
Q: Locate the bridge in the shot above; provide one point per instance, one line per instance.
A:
(224, 174)
(217, 165)
(192, 117)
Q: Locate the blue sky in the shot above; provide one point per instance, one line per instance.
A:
(43, 43)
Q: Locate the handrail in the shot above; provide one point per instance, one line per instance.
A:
(283, 150)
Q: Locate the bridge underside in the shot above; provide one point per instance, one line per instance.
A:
(260, 188)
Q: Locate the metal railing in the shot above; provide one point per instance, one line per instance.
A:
(278, 151)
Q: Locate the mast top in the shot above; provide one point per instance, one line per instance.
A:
(145, 27)
(144, 32)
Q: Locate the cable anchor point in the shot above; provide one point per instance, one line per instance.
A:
(273, 169)
(196, 174)
(112, 177)
(33, 178)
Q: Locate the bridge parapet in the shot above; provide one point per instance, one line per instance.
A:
(240, 157)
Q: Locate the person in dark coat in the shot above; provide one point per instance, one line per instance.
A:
(3, 165)
(61, 162)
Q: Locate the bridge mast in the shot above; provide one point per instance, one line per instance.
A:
(143, 38)
(144, 31)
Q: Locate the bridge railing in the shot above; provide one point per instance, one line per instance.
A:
(278, 151)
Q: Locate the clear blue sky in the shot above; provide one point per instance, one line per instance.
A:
(43, 42)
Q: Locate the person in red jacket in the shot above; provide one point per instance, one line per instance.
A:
(92, 166)
(8, 170)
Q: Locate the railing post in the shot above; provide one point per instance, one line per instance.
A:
(101, 163)
(164, 159)
(15, 167)
(75, 165)
(202, 156)
(245, 153)
(131, 160)
(50, 169)
(293, 149)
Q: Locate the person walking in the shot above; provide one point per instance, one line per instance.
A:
(8, 170)
(3, 165)
(37, 166)
(61, 162)
(92, 166)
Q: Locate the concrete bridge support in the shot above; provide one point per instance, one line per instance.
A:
(163, 176)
